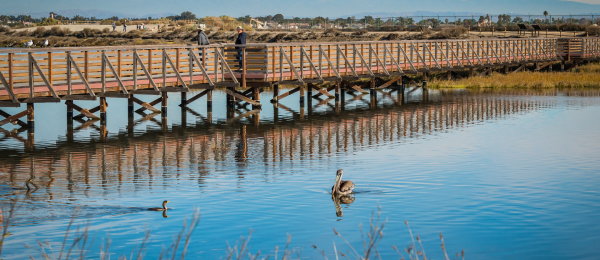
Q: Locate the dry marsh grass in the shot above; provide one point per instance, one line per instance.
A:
(585, 76)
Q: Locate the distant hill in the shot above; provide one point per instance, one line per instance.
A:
(415, 13)
(99, 14)
(435, 14)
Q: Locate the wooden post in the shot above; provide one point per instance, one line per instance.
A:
(164, 103)
(209, 101)
(130, 105)
(373, 94)
(30, 117)
(86, 65)
(119, 63)
(302, 89)
(273, 68)
(103, 111)
(10, 71)
(275, 93)
(337, 90)
(177, 65)
(255, 96)
(343, 94)
(50, 68)
(149, 63)
(183, 99)
(425, 92)
(244, 66)
(69, 112)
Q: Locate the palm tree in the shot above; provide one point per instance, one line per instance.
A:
(546, 15)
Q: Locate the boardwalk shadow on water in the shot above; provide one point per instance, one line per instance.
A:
(279, 160)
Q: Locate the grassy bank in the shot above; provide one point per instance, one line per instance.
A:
(585, 76)
(63, 36)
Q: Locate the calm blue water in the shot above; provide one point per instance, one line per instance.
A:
(502, 174)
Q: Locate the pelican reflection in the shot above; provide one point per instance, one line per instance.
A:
(341, 199)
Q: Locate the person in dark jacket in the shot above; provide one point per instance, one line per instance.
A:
(202, 40)
(241, 39)
(202, 37)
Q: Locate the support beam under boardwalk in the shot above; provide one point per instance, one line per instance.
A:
(15, 118)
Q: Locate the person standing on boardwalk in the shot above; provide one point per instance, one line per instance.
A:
(241, 39)
(202, 40)
(202, 37)
(124, 27)
(114, 25)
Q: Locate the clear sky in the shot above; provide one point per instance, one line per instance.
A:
(304, 8)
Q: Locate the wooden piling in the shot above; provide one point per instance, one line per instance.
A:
(255, 96)
(163, 103)
(69, 112)
(30, 117)
(130, 105)
(183, 99)
(103, 106)
(275, 93)
(209, 101)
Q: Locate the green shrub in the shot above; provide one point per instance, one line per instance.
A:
(49, 21)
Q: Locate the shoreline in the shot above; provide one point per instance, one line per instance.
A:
(584, 76)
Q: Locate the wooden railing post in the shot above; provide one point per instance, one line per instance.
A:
(50, 68)
(69, 85)
(30, 63)
(243, 67)
(86, 65)
(10, 71)
(119, 63)
(149, 63)
(177, 63)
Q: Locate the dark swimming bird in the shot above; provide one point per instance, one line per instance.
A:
(341, 187)
(164, 207)
(27, 187)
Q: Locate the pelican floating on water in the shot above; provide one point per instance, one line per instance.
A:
(164, 207)
(341, 187)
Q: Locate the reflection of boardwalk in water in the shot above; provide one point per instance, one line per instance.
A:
(184, 154)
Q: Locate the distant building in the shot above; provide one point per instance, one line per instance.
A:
(52, 14)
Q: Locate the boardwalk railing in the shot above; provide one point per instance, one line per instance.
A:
(52, 74)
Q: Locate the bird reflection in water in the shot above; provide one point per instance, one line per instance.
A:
(341, 199)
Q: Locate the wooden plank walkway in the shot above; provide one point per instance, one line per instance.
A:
(87, 73)
(60, 72)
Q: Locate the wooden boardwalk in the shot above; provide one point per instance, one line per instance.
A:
(90, 73)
